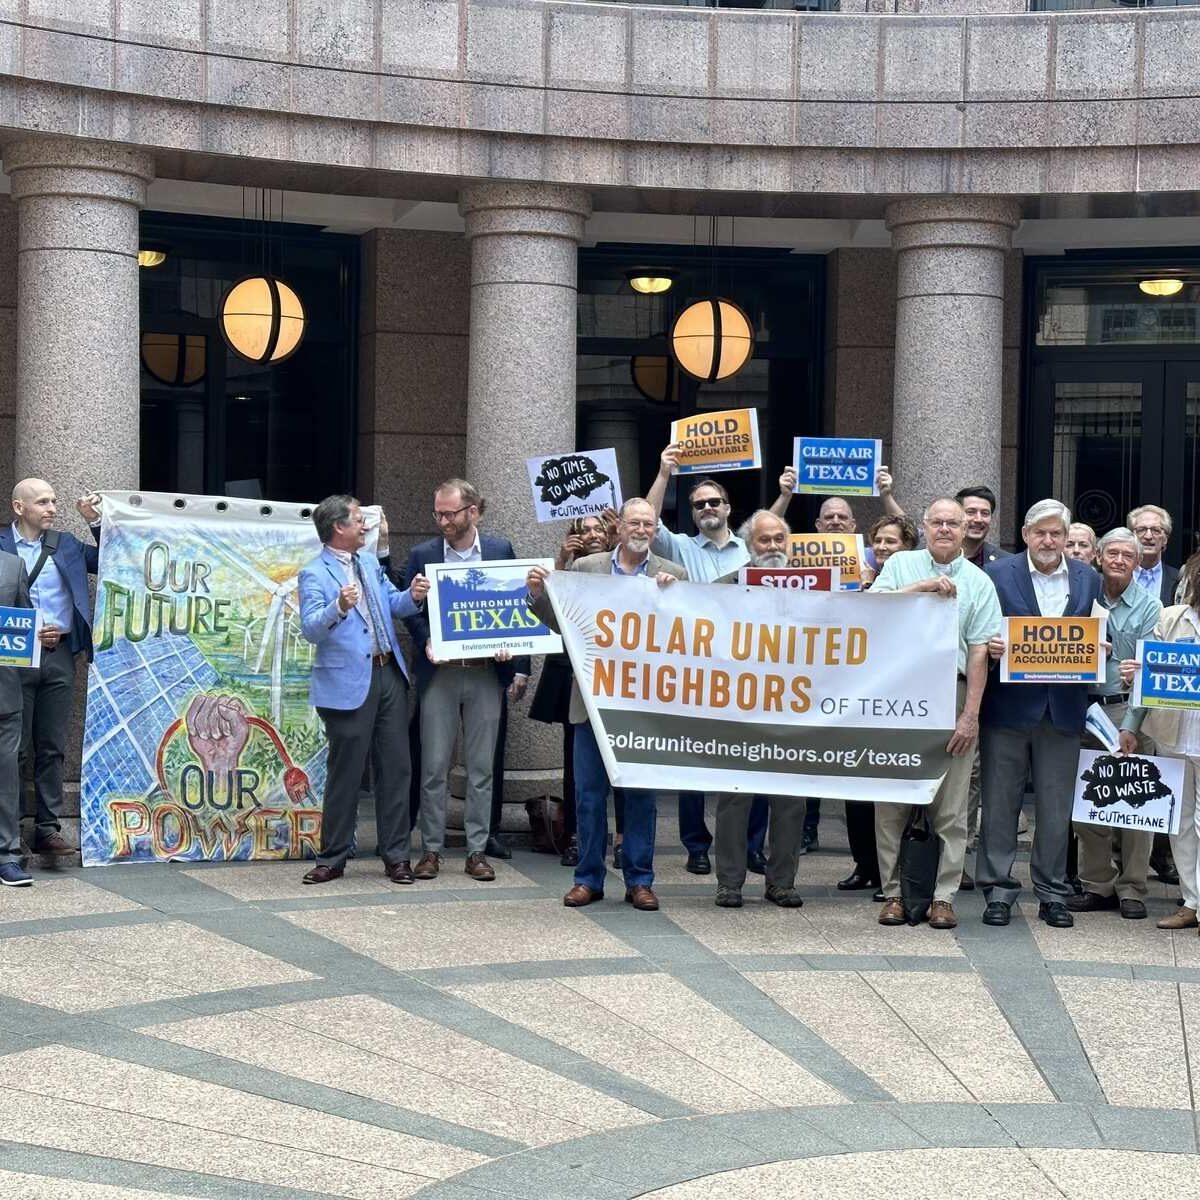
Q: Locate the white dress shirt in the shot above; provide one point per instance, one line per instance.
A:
(1052, 591)
(471, 554)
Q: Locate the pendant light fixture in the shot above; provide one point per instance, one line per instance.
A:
(262, 318)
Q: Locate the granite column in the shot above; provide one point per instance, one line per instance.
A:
(946, 417)
(78, 320)
(524, 241)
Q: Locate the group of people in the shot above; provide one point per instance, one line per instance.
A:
(47, 569)
(1006, 734)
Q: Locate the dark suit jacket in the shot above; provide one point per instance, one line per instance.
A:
(75, 560)
(992, 553)
(595, 564)
(432, 551)
(14, 593)
(1170, 579)
(1022, 705)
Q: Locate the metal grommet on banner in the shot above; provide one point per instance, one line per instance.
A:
(306, 512)
(135, 501)
(222, 506)
(180, 502)
(266, 510)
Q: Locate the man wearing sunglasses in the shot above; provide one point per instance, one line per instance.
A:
(706, 556)
(467, 692)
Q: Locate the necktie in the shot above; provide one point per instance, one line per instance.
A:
(375, 616)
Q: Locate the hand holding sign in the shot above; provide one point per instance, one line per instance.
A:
(574, 485)
(1128, 791)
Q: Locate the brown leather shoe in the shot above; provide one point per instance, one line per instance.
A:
(400, 872)
(54, 845)
(941, 915)
(479, 868)
(642, 898)
(1181, 918)
(892, 912)
(428, 866)
(580, 895)
(323, 874)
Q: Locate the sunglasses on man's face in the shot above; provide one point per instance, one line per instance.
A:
(711, 502)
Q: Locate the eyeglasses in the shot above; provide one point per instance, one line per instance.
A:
(1157, 530)
(711, 502)
(439, 517)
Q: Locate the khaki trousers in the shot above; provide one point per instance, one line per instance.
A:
(1097, 868)
(947, 816)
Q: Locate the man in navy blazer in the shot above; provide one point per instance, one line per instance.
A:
(1038, 722)
(58, 565)
(465, 691)
(359, 686)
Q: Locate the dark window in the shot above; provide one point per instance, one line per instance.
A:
(213, 422)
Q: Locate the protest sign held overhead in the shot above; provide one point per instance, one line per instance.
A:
(574, 485)
(19, 645)
(718, 441)
(841, 466)
(842, 552)
(478, 608)
(1053, 650)
(1169, 676)
(1128, 791)
(804, 579)
(762, 689)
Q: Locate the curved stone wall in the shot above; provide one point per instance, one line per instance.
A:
(617, 96)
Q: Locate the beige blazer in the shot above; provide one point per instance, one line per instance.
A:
(595, 564)
(1162, 724)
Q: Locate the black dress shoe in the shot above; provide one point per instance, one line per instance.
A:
(570, 854)
(997, 913)
(1055, 914)
(878, 896)
(1133, 910)
(856, 881)
(1164, 871)
(495, 848)
(1093, 902)
(618, 857)
(323, 874)
(698, 862)
(401, 872)
(756, 862)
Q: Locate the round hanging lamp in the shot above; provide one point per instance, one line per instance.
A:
(262, 319)
(176, 359)
(712, 339)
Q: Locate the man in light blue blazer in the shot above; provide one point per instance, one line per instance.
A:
(359, 686)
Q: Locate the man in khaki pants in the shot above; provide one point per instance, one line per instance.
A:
(941, 569)
(1132, 614)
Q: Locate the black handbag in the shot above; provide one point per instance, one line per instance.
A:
(920, 853)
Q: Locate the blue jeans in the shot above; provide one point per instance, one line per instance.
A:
(693, 832)
(591, 819)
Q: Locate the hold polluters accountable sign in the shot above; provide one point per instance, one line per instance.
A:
(782, 691)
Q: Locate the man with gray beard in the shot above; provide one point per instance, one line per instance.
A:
(766, 538)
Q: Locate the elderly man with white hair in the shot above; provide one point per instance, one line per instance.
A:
(1132, 614)
(1038, 723)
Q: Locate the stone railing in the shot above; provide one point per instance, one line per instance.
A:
(337, 94)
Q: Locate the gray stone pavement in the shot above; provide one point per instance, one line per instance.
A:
(224, 1031)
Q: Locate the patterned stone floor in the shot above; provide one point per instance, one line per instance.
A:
(222, 1031)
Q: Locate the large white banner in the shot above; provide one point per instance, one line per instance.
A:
(711, 687)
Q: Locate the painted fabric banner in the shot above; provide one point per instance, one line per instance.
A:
(711, 687)
(199, 742)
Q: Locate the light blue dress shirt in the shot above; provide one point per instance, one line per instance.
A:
(699, 556)
(49, 592)
(1150, 579)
